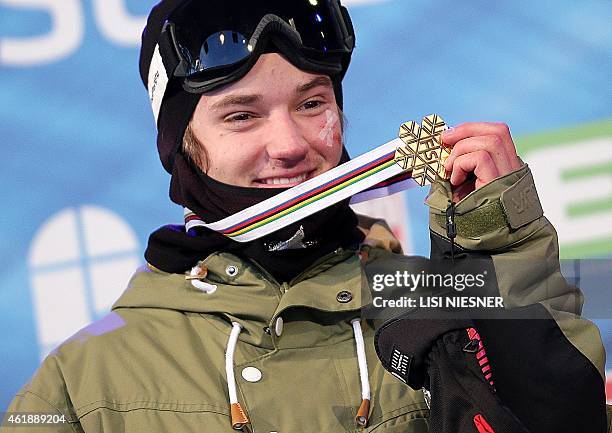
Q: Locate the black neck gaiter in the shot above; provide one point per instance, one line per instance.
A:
(284, 253)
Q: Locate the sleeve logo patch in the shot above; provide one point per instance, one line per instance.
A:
(400, 364)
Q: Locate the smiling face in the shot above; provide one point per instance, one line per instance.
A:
(276, 127)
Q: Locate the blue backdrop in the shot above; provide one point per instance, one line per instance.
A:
(82, 186)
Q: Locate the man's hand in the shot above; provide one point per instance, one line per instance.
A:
(482, 152)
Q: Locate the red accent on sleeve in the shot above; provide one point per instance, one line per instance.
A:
(482, 425)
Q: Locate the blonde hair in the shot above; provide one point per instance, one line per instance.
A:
(194, 150)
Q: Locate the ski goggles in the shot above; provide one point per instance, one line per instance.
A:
(207, 44)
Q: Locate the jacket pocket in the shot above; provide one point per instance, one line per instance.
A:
(153, 417)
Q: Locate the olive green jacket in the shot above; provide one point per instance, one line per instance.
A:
(157, 362)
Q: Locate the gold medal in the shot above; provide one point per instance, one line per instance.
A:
(424, 153)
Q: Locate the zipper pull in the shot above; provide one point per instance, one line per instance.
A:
(451, 228)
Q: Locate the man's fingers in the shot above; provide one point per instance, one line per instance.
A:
(489, 143)
(483, 148)
(479, 162)
(472, 129)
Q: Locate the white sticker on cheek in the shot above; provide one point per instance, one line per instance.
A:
(327, 133)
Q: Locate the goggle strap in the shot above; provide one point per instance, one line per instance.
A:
(174, 59)
(286, 29)
(348, 29)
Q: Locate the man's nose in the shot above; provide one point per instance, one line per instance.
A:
(286, 141)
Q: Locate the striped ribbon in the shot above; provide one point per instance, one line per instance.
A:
(371, 175)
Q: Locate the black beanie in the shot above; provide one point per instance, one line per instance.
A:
(178, 105)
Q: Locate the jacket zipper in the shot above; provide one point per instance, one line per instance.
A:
(451, 228)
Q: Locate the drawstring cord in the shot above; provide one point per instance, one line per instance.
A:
(239, 418)
(364, 408)
(196, 275)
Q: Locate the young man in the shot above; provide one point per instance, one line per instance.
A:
(216, 335)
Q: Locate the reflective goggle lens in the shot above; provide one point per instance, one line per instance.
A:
(219, 49)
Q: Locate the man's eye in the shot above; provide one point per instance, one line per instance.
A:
(240, 117)
(309, 105)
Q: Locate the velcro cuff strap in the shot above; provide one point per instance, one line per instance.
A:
(521, 202)
(517, 206)
(479, 221)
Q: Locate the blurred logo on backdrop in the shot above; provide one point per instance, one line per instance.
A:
(79, 263)
(573, 172)
(67, 30)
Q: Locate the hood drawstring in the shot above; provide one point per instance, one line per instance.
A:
(239, 419)
(364, 408)
(196, 275)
